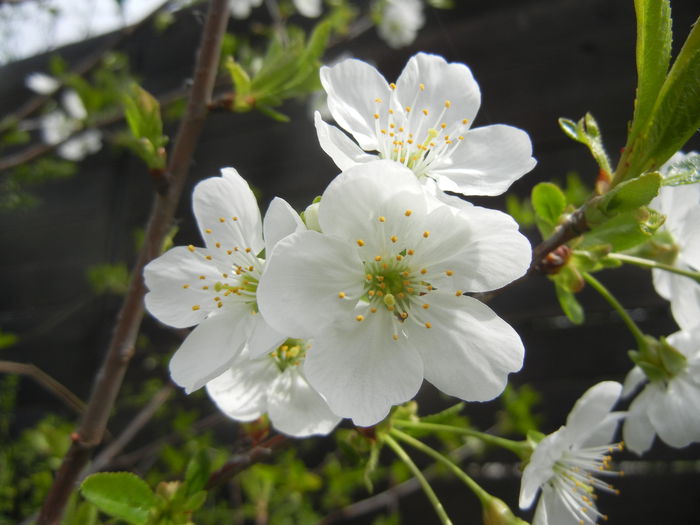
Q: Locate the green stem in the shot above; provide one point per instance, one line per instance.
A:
(631, 325)
(480, 493)
(520, 448)
(648, 263)
(403, 456)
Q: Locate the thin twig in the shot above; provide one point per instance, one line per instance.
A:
(45, 380)
(111, 374)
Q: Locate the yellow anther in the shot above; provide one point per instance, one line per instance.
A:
(224, 275)
(208, 257)
(202, 277)
(461, 137)
(392, 126)
(403, 315)
(449, 273)
(221, 219)
(385, 266)
(190, 248)
(195, 307)
(408, 109)
(400, 295)
(247, 250)
(458, 293)
(218, 245)
(428, 325)
(205, 287)
(443, 125)
(185, 286)
(394, 238)
(377, 258)
(426, 306)
(410, 252)
(234, 218)
(379, 278)
(373, 310)
(380, 293)
(341, 295)
(360, 318)
(371, 293)
(448, 103)
(405, 273)
(423, 271)
(465, 121)
(368, 276)
(376, 116)
(425, 112)
(219, 304)
(391, 112)
(382, 219)
(401, 129)
(421, 87)
(383, 131)
(378, 100)
(426, 234)
(409, 289)
(410, 141)
(229, 252)
(392, 85)
(250, 268)
(360, 242)
(399, 257)
(395, 337)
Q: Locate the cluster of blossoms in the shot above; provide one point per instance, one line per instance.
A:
(343, 314)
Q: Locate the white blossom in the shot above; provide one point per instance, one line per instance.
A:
(400, 21)
(215, 287)
(241, 8)
(42, 84)
(668, 408)
(681, 205)
(423, 122)
(273, 384)
(62, 124)
(380, 290)
(564, 465)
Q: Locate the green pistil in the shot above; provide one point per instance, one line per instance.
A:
(290, 353)
(390, 284)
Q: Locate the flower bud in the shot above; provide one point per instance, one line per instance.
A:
(310, 217)
(496, 512)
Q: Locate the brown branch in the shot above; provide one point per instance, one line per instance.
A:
(45, 380)
(109, 378)
(240, 462)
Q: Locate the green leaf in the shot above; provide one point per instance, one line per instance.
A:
(586, 131)
(7, 339)
(239, 77)
(653, 56)
(549, 203)
(628, 196)
(197, 473)
(441, 4)
(122, 495)
(685, 171)
(569, 304)
(624, 231)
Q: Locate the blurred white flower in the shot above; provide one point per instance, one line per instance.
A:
(669, 408)
(422, 122)
(241, 8)
(42, 84)
(564, 465)
(82, 145)
(400, 21)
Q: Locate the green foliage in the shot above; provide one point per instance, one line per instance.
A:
(7, 339)
(626, 197)
(586, 131)
(569, 304)
(122, 495)
(11, 135)
(520, 209)
(549, 203)
(517, 416)
(108, 278)
(441, 4)
(625, 231)
(14, 193)
(142, 113)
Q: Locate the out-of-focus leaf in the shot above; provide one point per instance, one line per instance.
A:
(549, 203)
(122, 495)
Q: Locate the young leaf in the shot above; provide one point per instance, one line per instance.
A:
(630, 195)
(569, 304)
(122, 495)
(586, 131)
(624, 231)
(549, 203)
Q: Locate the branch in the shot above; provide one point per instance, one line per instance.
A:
(109, 378)
(45, 380)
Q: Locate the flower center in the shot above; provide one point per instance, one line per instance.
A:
(290, 353)
(575, 482)
(417, 136)
(391, 285)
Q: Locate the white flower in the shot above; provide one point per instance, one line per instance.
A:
(308, 8)
(274, 384)
(42, 84)
(82, 145)
(215, 287)
(57, 126)
(400, 22)
(380, 292)
(423, 121)
(668, 408)
(241, 8)
(564, 464)
(681, 205)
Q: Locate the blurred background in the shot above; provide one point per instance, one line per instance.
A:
(69, 232)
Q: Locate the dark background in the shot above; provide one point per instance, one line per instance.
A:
(534, 60)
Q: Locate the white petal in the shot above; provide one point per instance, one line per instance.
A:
(81, 145)
(263, 338)
(355, 199)
(551, 510)
(73, 105)
(603, 432)
(210, 349)
(241, 391)
(338, 146)
(41, 83)
(638, 432)
(428, 82)
(280, 220)
(353, 86)
(361, 370)
(176, 296)
(690, 237)
(634, 379)
(482, 247)
(308, 8)
(591, 409)
(226, 197)
(488, 160)
(298, 292)
(675, 415)
(297, 409)
(540, 467)
(469, 351)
